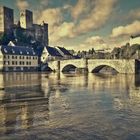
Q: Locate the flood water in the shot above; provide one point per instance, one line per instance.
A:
(35, 106)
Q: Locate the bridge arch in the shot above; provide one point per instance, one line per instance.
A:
(68, 68)
(97, 69)
(96, 65)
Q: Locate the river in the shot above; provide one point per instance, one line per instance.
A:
(40, 106)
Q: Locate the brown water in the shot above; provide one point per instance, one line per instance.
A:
(69, 107)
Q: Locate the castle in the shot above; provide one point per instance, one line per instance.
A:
(27, 47)
(34, 31)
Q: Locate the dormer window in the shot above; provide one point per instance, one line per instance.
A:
(20, 52)
(5, 50)
(13, 51)
(27, 52)
(33, 53)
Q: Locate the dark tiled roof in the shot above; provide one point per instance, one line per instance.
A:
(66, 52)
(17, 50)
(53, 52)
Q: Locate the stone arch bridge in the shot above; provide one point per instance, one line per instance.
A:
(94, 65)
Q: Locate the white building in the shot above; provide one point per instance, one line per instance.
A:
(49, 54)
(16, 58)
(134, 40)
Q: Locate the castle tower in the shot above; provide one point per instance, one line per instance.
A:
(6, 18)
(26, 19)
(45, 34)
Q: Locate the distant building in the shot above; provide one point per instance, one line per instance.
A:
(134, 40)
(6, 19)
(16, 58)
(65, 53)
(41, 33)
(49, 54)
(26, 19)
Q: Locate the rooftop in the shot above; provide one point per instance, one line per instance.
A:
(17, 50)
(66, 52)
(53, 51)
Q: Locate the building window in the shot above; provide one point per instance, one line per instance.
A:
(13, 62)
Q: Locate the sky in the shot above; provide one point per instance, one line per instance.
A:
(84, 24)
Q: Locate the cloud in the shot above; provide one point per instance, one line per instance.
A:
(63, 31)
(98, 16)
(134, 14)
(130, 29)
(87, 15)
(95, 40)
(43, 4)
(79, 8)
(52, 16)
(22, 4)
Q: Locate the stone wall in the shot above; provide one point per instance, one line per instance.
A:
(120, 65)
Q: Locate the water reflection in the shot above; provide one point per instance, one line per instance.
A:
(34, 102)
